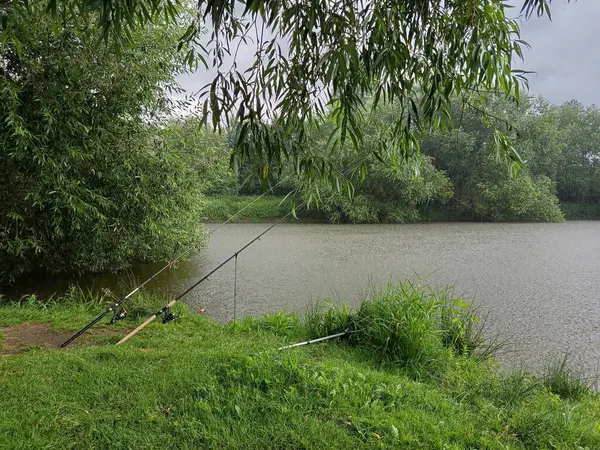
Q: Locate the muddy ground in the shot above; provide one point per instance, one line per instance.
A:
(30, 335)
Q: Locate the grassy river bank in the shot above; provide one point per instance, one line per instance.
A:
(251, 209)
(414, 372)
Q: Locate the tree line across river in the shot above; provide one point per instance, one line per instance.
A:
(97, 174)
(454, 177)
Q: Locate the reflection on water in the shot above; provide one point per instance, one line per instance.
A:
(539, 283)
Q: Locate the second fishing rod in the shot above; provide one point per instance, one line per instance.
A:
(165, 308)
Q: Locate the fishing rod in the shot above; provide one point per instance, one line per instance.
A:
(120, 313)
(164, 311)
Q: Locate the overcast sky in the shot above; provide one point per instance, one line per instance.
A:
(565, 53)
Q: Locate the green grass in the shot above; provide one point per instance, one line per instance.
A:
(76, 307)
(564, 378)
(196, 384)
(581, 211)
(267, 208)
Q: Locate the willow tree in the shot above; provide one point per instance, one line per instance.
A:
(317, 59)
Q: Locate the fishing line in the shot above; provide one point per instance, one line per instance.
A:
(234, 287)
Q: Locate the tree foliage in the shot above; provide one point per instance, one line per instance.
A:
(85, 160)
(558, 143)
(578, 168)
(207, 154)
(524, 198)
(386, 190)
(319, 58)
(85, 184)
(388, 194)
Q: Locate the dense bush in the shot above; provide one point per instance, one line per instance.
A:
(522, 198)
(558, 144)
(587, 211)
(87, 185)
(384, 187)
(389, 193)
(401, 325)
(414, 327)
(206, 152)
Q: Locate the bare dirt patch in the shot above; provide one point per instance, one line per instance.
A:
(40, 335)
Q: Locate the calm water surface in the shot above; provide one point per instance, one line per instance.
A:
(539, 283)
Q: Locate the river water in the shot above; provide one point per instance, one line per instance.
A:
(539, 284)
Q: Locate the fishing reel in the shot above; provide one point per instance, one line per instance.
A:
(168, 316)
(118, 315)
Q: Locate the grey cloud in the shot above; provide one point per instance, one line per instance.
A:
(565, 54)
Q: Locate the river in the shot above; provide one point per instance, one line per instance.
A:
(539, 284)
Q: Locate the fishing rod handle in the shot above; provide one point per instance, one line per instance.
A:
(137, 330)
(143, 325)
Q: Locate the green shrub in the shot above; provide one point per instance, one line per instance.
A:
(524, 198)
(408, 325)
(391, 192)
(400, 325)
(86, 185)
